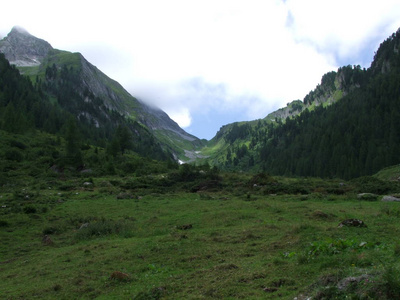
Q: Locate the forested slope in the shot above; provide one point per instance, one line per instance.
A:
(353, 136)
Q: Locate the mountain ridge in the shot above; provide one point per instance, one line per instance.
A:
(35, 56)
(346, 127)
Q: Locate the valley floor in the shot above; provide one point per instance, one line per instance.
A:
(101, 239)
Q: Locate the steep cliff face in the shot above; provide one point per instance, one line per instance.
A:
(23, 49)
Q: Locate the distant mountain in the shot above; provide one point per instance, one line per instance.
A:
(346, 127)
(93, 96)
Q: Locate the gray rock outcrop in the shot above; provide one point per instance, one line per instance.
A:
(23, 49)
(390, 199)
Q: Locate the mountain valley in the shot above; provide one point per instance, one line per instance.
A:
(105, 197)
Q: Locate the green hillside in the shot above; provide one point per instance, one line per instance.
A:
(78, 87)
(347, 127)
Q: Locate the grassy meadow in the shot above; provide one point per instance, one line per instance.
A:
(238, 236)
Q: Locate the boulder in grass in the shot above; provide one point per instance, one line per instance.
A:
(125, 195)
(349, 282)
(352, 223)
(367, 196)
(184, 227)
(47, 241)
(119, 276)
(390, 199)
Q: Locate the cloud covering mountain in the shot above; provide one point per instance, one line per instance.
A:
(208, 63)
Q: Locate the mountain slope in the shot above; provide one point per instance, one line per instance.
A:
(37, 59)
(231, 137)
(347, 127)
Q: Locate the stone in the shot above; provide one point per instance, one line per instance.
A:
(390, 199)
(352, 223)
(184, 227)
(46, 240)
(117, 275)
(350, 281)
(367, 196)
(124, 195)
(270, 289)
(84, 225)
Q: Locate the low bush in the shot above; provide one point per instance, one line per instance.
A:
(14, 155)
(104, 228)
(369, 184)
(29, 209)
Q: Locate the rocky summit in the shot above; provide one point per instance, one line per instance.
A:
(23, 49)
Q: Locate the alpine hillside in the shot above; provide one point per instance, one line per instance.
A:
(73, 83)
(348, 126)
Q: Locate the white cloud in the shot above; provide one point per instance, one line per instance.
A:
(190, 57)
(343, 28)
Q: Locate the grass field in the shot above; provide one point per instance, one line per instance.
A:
(108, 238)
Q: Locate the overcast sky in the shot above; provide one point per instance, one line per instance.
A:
(209, 63)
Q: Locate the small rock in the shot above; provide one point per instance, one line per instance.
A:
(318, 214)
(367, 196)
(184, 227)
(46, 240)
(124, 195)
(84, 225)
(352, 223)
(390, 199)
(117, 275)
(270, 289)
(87, 183)
(349, 281)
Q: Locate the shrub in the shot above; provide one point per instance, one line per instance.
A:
(104, 228)
(4, 223)
(29, 209)
(368, 184)
(54, 229)
(14, 155)
(262, 179)
(18, 144)
(391, 282)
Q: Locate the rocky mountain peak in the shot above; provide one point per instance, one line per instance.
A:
(23, 49)
(18, 30)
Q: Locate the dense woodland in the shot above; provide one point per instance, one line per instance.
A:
(56, 105)
(355, 136)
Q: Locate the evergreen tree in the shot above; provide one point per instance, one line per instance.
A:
(73, 143)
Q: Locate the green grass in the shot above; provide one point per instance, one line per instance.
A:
(389, 173)
(234, 241)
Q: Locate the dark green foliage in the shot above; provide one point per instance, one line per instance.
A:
(355, 136)
(103, 228)
(14, 155)
(4, 223)
(59, 103)
(238, 132)
(154, 294)
(368, 184)
(73, 144)
(29, 209)
(391, 282)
